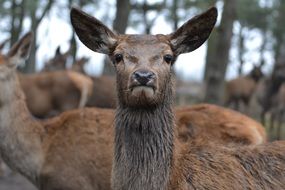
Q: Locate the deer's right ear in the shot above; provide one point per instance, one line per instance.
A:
(92, 33)
(194, 32)
(21, 50)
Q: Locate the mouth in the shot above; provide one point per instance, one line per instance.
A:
(143, 90)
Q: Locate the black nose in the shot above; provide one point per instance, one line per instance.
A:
(143, 77)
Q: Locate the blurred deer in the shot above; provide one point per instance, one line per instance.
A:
(271, 89)
(242, 88)
(58, 62)
(78, 64)
(50, 93)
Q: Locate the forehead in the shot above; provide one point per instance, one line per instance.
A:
(143, 44)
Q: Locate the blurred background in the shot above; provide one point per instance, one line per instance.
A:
(242, 65)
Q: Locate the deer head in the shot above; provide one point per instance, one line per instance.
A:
(16, 56)
(143, 63)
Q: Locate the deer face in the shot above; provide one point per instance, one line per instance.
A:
(144, 70)
(143, 63)
(16, 56)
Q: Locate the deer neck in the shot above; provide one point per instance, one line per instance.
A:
(21, 136)
(143, 147)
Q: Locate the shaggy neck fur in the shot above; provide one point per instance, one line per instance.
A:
(20, 135)
(144, 146)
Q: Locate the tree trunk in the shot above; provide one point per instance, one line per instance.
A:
(17, 17)
(217, 60)
(174, 14)
(263, 48)
(30, 66)
(241, 50)
(119, 25)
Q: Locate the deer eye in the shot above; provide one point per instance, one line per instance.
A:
(168, 58)
(118, 57)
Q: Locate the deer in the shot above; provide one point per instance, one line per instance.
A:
(57, 153)
(78, 64)
(270, 96)
(278, 110)
(102, 95)
(50, 93)
(242, 88)
(71, 151)
(58, 62)
(219, 124)
(147, 155)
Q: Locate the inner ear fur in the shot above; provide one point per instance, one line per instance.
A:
(91, 32)
(194, 32)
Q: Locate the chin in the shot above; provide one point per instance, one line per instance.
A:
(142, 96)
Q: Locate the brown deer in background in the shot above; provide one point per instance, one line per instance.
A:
(103, 91)
(72, 151)
(58, 62)
(278, 110)
(78, 64)
(50, 93)
(146, 153)
(271, 97)
(242, 88)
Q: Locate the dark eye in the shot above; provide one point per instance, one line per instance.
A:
(168, 58)
(118, 58)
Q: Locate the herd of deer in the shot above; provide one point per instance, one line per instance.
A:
(145, 143)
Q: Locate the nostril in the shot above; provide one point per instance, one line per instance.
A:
(143, 77)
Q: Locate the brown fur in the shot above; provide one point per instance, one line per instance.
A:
(58, 62)
(103, 92)
(242, 88)
(217, 123)
(277, 111)
(147, 155)
(50, 93)
(78, 65)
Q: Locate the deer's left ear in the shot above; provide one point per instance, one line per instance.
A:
(21, 50)
(92, 33)
(194, 32)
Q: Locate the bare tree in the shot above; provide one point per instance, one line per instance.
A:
(35, 20)
(217, 60)
(17, 18)
(119, 25)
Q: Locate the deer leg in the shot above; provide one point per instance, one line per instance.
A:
(272, 122)
(246, 104)
(262, 117)
(279, 125)
(236, 104)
